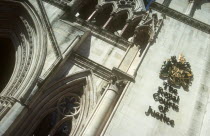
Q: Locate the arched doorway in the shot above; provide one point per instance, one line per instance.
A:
(7, 61)
(23, 48)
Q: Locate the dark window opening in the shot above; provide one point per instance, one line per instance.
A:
(87, 10)
(64, 129)
(7, 61)
(49, 126)
(43, 129)
(129, 32)
(118, 22)
(103, 16)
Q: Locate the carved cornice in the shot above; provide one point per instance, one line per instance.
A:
(122, 75)
(101, 70)
(181, 17)
(98, 69)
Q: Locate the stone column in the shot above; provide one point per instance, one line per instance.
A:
(104, 109)
(109, 20)
(190, 7)
(98, 8)
(125, 27)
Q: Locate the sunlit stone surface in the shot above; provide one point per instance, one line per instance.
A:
(92, 67)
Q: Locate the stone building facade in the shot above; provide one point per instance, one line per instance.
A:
(91, 67)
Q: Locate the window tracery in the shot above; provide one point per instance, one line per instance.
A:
(126, 3)
(59, 121)
(56, 110)
(69, 105)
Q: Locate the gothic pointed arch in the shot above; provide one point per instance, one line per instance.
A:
(63, 107)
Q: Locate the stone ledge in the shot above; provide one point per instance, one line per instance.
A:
(105, 35)
(98, 69)
(181, 17)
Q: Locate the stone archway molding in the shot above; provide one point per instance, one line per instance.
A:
(20, 23)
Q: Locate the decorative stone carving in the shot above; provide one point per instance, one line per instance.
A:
(178, 72)
(135, 5)
(126, 3)
(119, 82)
(146, 30)
(69, 105)
(5, 104)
